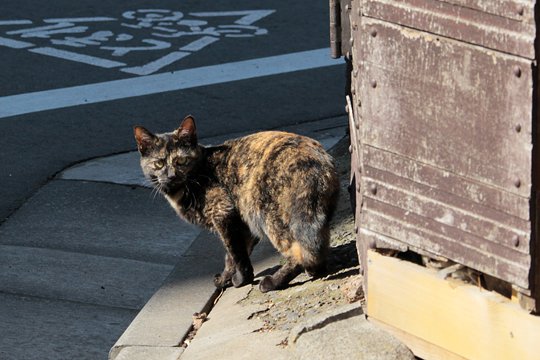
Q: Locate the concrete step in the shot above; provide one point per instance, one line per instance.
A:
(36, 329)
(100, 219)
(91, 279)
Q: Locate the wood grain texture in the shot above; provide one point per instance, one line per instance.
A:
(505, 26)
(463, 319)
(434, 100)
(444, 170)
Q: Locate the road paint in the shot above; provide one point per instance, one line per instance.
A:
(70, 55)
(169, 34)
(249, 17)
(80, 19)
(15, 22)
(14, 44)
(199, 44)
(157, 64)
(159, 83)
(171, 58)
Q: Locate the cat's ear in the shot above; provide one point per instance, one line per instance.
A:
(145, 139)
(187, 130)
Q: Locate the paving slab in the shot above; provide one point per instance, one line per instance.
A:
(78, 277)
(100, 219)
(167, 316)
(36, 329)
(146, 353)
(351, 338)
(231, 332)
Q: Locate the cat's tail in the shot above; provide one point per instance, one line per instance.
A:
(311, 232)
(313, 205)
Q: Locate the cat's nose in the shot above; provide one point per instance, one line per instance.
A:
(171, 174)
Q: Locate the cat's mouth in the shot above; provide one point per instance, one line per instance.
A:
(171, 187)
(167, 186)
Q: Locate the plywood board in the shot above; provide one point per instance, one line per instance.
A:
(462, 319)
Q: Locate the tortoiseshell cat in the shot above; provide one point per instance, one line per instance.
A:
(271, 184)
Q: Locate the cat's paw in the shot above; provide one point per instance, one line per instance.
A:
(242, 278)
(221, 281)
(267, 284)
(317, 271)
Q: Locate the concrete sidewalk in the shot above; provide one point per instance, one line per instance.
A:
(312, 319)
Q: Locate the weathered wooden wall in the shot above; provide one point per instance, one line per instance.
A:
(442, 115)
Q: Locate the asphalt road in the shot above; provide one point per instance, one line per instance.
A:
(74, 79)
(37, 145)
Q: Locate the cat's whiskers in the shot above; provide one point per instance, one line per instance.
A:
(156, 189)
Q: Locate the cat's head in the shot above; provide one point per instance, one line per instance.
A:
(167, 159)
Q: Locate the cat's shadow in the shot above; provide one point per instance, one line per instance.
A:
(340, 257)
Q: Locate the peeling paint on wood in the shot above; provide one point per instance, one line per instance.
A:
(505, 31)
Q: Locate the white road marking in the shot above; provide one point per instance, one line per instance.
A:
(14, 44)
(171, 57)
(250, 16)
(15, 22)
(200, 43)
(81, 19)
(153, 66)
(160, 83)
(173, 28)
(69, 55)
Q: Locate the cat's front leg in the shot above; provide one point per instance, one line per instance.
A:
(233, 231)
(224, 279)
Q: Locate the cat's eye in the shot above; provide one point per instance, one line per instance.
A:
(181, 161)
(159, 164)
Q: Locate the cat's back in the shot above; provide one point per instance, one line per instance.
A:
(274, 170)
(275, 152)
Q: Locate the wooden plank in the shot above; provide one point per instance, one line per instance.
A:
(445, 209)
(449, 117)
(514, 36)
(516, 10)
(460, 318)
(418, 346)
(419, 233)
(375, 240)
(465, 193)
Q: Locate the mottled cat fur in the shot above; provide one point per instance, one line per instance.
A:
(271, 184)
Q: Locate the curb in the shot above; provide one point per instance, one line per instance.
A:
(158, 330)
